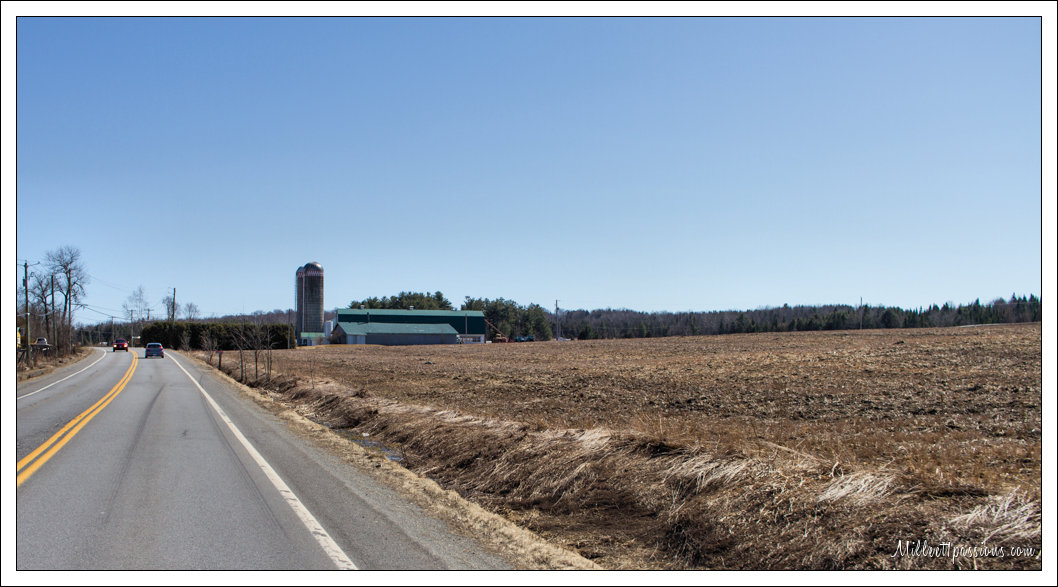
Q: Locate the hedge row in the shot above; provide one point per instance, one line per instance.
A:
(227, 335)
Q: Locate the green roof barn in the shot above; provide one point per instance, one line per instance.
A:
(406, 327)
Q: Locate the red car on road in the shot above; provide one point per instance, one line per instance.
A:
(121, 344)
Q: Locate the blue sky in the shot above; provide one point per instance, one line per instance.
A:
(646, 163)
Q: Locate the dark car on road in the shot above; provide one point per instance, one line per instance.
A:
(154, 349)
(121, 345)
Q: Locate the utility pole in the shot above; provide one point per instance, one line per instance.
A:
(54, 326)
(25, 284)
(173, 318)
(558, 325)
(29, 329)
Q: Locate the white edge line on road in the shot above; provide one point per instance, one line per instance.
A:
(336, 554)
(65, 378)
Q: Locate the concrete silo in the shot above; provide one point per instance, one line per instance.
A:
(309, 295)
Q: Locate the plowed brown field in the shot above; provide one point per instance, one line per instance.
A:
(855, 449)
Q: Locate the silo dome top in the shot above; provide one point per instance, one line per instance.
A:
(313, 265)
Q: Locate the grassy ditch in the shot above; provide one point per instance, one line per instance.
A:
(46, 362)
(846, 450)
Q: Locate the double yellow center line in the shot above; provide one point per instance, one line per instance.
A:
(30, 463)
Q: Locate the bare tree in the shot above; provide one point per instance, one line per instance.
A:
(260, 339)
(136, 306)
(191, 311)
(38, 295)
(254, 338)
(209, 344)
(241, 343)
(66, 264)
(169, 302)
(136, 303)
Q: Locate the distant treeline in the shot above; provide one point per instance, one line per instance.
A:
(512, 319)
(515, 321)
(405, 300)
(584, 324)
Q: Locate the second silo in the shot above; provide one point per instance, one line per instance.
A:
(309, 295)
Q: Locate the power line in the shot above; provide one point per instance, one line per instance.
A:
(97, 308)
(108, 284)
(90, 309)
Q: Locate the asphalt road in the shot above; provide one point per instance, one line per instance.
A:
(133, 463)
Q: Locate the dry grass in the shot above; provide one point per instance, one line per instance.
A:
(770, 451)
(1006, 519)
(47, 362)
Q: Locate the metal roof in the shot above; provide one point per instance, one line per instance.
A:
(365, 328)
(461, 321)
(436, 313)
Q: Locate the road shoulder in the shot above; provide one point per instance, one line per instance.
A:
(520, 547)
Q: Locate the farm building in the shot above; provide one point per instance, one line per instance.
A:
(310, 339)
(308, 298)
(403, 327)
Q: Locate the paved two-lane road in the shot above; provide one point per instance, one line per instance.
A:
(133, 463)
